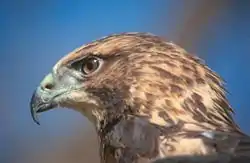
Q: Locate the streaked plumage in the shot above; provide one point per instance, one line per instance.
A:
(146, 97)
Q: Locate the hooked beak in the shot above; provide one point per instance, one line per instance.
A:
(43, 98)
(64, 91)
(38, 105)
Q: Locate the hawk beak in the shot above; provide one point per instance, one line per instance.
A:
(43, 98)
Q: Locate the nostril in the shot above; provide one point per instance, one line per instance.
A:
(48, 86)
(48, 82)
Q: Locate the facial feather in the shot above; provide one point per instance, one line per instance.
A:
(158, 80)
(139, 77)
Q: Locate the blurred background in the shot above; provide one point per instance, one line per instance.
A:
(35, 34)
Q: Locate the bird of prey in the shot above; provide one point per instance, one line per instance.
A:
(147, 98)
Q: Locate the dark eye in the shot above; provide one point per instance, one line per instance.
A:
(90, 65)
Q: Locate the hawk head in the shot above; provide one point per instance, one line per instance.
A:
(135, 74)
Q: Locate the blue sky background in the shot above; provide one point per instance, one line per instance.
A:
(34, 35)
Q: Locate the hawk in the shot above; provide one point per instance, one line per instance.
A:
(147, 98)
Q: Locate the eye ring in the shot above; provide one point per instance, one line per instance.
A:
(90, 65)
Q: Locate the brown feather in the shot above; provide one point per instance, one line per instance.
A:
(154, 80)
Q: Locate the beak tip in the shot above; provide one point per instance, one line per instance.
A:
(33, 109)
(34, 117)
(38, 123)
